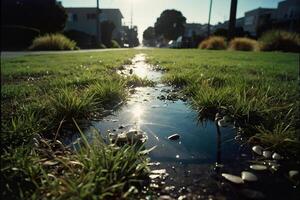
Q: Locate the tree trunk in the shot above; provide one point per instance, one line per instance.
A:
(232, 19)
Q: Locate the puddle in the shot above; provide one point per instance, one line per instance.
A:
(161, 118)
(191, 160)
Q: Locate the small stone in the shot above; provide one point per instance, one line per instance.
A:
(50, 163)
(258, 167)
(257, 149)
(154, 176)
(248, 176)
(293, 173)
(276, 156)
(233, 178)
(223, 123)
(159, 171)
(169, 188)
(267, 154)
(182, 197)
(174, 137)
(165, 197)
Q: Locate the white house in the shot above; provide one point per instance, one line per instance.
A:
(85, 20)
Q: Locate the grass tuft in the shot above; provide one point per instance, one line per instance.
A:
(108, 92)
(279, 40)
(52, 42)
(243, 44)
(96, 171)
(213, 43)
(68, 104)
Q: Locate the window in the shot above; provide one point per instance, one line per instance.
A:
(91, 16)
(72, 17)
(249, 20)
(75, 18)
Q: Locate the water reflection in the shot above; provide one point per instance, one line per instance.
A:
(161, 118)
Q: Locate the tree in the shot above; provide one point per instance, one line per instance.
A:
(170, 24)
(232, 19)
(107, 28)
(149, 36)
(47, 15)
(149, 33)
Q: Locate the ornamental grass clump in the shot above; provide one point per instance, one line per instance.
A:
(243, 44)
(213, 43)
(52, 42)
(279, 40)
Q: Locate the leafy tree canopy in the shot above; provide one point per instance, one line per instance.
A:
(170, 24)
(149, 33)
(46, 15)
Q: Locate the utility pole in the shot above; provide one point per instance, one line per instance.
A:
(98, 39)
(131, 14)
(208, 25)
(232, 19)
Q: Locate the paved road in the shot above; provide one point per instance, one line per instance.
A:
(13, 54)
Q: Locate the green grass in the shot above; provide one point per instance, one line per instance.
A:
(51, 171)
(258, 89)
(42, 95)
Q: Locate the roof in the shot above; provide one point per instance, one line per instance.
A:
(110, 11)
(260, 9)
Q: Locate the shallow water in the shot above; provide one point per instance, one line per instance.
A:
(190, 161)
(162, 118)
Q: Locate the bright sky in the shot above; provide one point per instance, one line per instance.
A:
(145, 12)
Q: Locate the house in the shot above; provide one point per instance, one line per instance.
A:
(256, 18)
(85, 20)
(239, 23)
(288, 15)
(116, 17)
(192, 29)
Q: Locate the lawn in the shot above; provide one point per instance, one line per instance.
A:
(258, 90)
(44, 96)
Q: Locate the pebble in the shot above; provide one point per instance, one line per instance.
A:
(293, 173)
(159, 171)
(223, 123)
(276, 156)
(233, 178)
(248, 176)
(174, 137)
(169, 188)
(257, 149)
(258, 167)
(165, 197)
(267, 154)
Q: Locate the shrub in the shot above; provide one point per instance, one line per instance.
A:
(278, 40)
(213, 42)
(115, 44)
(53, 42)
(82, 39)
(243, 44)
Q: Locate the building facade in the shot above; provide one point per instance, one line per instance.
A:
(86, 20)
(256, 18)
(285, 16)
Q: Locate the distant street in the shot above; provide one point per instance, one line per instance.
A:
(13, 54)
